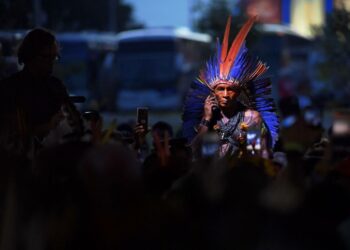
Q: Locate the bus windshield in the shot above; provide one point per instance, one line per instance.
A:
(143, 62)
(157, 64)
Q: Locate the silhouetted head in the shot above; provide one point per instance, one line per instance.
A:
(38, 52)
(289, 106)
(160, 128)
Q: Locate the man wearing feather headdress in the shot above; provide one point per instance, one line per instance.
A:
(231, 98)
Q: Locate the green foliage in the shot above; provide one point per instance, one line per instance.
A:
(333, 43)
(14, 14)
(212, 19)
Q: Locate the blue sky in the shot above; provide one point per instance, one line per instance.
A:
(156, 13)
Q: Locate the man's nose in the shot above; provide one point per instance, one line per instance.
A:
(225, 92)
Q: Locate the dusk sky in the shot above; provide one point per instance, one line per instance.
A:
(156, 13)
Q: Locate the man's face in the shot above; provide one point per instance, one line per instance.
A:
(44, 62)
(225, 94)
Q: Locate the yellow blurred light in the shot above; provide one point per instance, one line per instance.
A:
(307, 14)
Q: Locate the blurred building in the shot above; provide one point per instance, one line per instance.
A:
(299, 15)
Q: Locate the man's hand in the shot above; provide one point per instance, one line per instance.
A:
(140, 135)
(209, 102)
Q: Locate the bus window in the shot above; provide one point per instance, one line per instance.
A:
(154, 65)
(73, 67)
(145, 65)
(82, 59)
(286, 53)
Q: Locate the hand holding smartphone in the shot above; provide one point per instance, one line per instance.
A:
(142, 117)
(215, 108)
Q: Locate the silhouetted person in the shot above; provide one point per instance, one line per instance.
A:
(31, 99)
(294, 122)
(168, 160)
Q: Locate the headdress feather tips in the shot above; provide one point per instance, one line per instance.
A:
(232, 64)
(224, 46)
(227, 59)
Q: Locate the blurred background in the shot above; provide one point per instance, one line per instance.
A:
(123, 54)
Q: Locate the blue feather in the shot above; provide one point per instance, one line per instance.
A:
(193, 109)
(260, 91)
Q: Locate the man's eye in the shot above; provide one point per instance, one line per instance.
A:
(234, 90)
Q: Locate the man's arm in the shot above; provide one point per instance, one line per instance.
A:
(252, 118)
(254, 121)
(203, 126)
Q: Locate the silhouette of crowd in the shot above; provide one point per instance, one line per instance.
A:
(68, 181)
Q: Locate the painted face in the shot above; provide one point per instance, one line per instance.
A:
(225, 94)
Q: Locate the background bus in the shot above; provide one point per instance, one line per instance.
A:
(82, 56)
(287, 55)
(9, 41)
(155, 67)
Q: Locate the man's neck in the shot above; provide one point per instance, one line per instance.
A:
(230, 111)
(34, 74)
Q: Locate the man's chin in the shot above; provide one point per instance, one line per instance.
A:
(44, 75)
(224, 105)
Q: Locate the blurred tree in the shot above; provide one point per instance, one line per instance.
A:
(66, 15)
(333, 43)
(211, 18)
(15, 14)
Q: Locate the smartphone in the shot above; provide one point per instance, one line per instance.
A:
(254, 142)
(341, 127)
(340, 136)
(210, 144)
(215, 108)
(142, 117)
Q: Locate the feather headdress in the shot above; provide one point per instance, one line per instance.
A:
(233, 65)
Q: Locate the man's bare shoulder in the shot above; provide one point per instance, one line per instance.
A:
(252, 117)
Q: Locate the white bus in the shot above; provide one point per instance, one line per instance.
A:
(82, 54)
(155, 67)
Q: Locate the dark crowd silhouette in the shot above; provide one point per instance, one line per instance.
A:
(68, 181)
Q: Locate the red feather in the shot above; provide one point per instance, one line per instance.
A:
(235, 47)
(224, 46)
